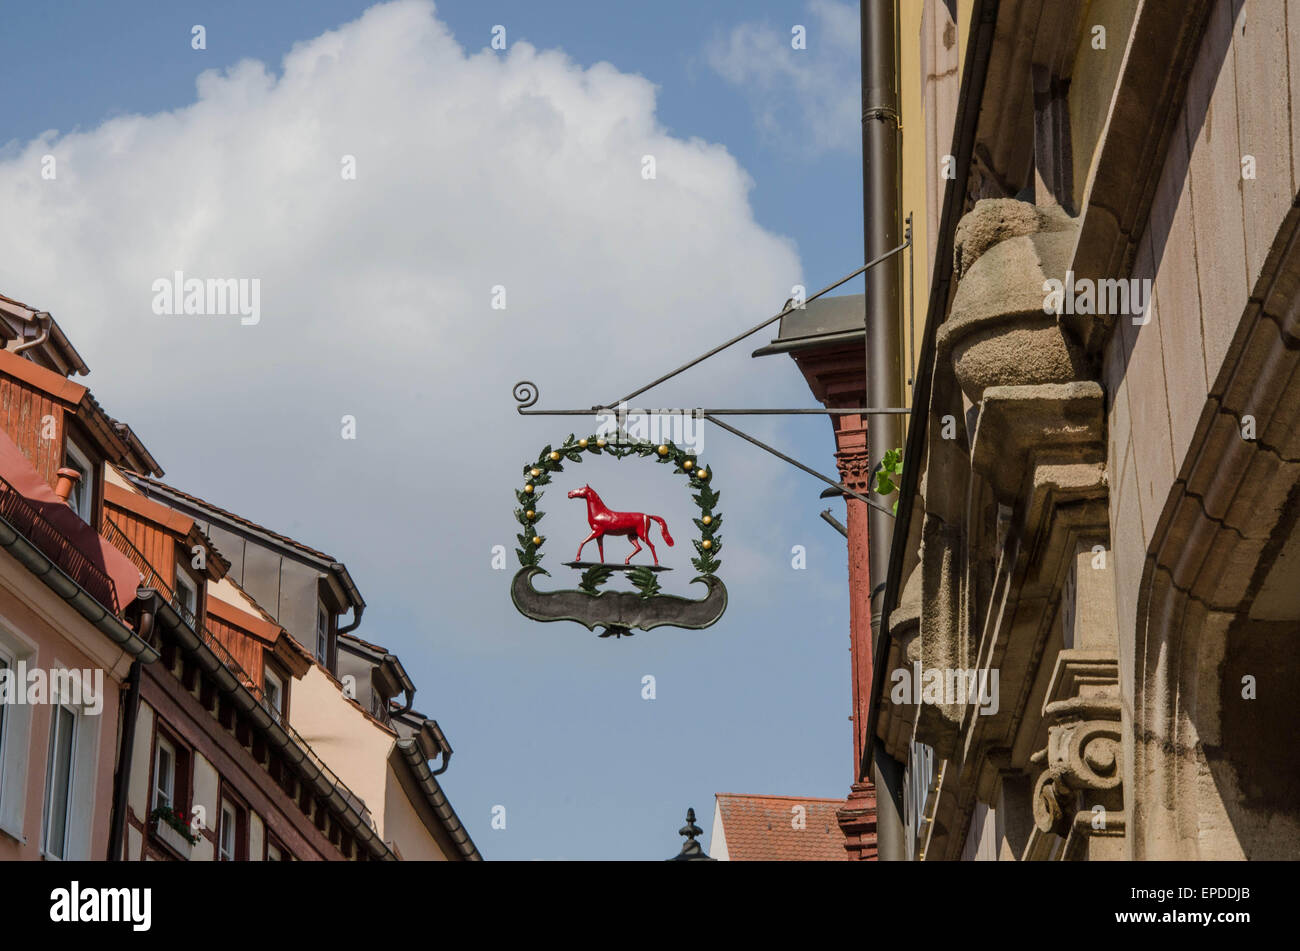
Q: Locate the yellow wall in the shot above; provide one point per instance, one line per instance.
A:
(915, 168)
(922, 170)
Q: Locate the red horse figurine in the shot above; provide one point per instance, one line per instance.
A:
(635, 525)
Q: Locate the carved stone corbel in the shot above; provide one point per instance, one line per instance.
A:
(1079, 793)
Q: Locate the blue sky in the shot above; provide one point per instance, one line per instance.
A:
(546, 719)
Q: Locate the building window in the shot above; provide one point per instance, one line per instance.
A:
(5, 674)
(232, 838)
(229, 827)
(164, 775)
(15, 736)
(322, 634)
(186, 596)
(273, 694)
(82, 496)
(58, 781)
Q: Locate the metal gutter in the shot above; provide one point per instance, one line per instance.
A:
(414, 757)
(39, 564)
(984, 17)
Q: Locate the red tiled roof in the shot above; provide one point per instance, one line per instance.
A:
(98, 553)
(763, 828)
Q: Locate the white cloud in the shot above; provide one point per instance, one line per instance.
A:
(521, 169)
(807, 101)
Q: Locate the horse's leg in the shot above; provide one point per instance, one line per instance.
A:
(646, 538)
(632, 538)
(578, 557)
(600, 547)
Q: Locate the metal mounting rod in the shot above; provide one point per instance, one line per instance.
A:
(834, 523)
(799, 465)
(639, 411)
(756, 328)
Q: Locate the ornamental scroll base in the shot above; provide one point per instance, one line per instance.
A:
(618, 611)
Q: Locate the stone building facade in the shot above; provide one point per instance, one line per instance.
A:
(1095, 580)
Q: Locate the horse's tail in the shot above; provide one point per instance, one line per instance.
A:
(663, 526)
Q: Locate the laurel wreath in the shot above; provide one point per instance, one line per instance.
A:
(551, 460)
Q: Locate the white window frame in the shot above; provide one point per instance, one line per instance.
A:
(229, 823)
(83, 777)
(84, 490)
(70, 805)
(14, 758)
(164, 745)
(271, 678)
(185, 583)
(6, 663)
(322, 634)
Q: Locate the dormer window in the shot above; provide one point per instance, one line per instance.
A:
(186, 596)
(81, 498)
(322, 634)
(273, 694)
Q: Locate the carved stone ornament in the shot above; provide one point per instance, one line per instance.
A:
(1000, 331)
(1082, 755)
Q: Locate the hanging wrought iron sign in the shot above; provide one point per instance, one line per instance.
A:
(618, 612)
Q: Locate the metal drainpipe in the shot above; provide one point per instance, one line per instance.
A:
(43, 320)
(882, 228)
(130, 715)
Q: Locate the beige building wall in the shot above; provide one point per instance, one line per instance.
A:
(403, 824)
(358, 749)
(352, 744)
(137, 794)
(42, 630)
(207, 785)
(1225, 189)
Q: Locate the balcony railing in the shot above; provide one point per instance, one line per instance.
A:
(151, 578)
(18, 511)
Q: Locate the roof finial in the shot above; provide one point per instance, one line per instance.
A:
(691, 851)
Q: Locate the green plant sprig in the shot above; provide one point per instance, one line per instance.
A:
(890, 475)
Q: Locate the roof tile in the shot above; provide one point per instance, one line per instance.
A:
(764, 828)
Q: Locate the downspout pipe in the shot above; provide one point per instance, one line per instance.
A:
(122, 781)
(130, 716)
(43, 320)
(882, 230)
(358, 602)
